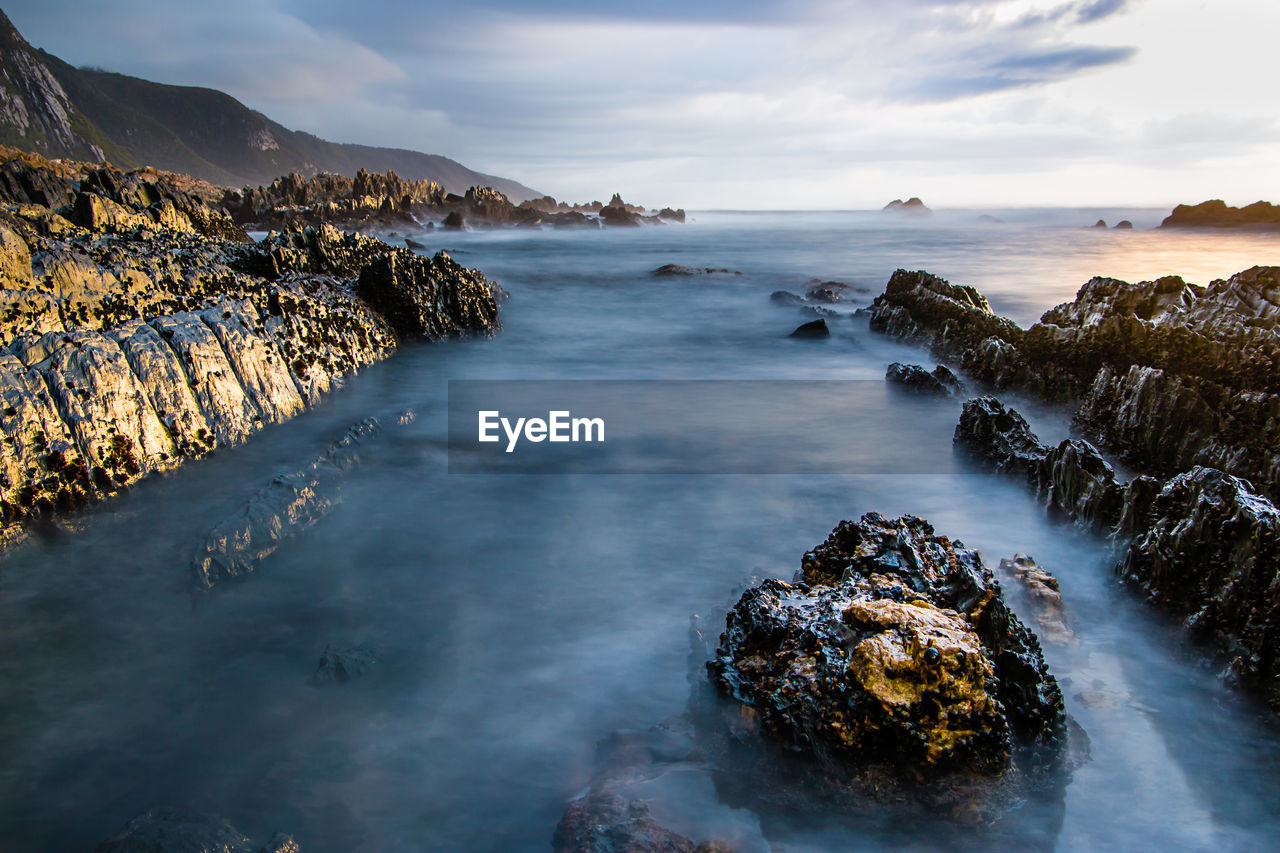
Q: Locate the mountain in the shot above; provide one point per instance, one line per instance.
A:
(57, 110)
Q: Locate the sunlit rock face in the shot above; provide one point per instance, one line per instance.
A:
(140, 328)
(893, 662)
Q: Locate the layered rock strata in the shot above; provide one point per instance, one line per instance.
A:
(139, 328)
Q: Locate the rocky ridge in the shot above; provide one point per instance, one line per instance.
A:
(1179, 381)
(141, 328)
(1203, 545)
(387, 200)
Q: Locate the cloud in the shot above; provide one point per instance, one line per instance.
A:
(579, 98)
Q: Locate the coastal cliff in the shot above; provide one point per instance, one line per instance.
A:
(141, 328)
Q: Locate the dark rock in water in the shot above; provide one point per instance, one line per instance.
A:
(411, 243)
(813, 329)
(167, 831)
(827, 291)
(1101, 223)
(340, 664)
(785, 297)
(669, 270)
(1042, 588)
(606, 823)
(454, 221)
(940, 382)
(1211, 554)
(895, 664)
(618, 215)
(672, 215)
(1216, 214)
(1000, 437)
(432, 298)
(1124, 224)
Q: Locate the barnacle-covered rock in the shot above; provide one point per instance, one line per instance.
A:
(894, 660)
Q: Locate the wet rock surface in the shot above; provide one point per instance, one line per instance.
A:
(894, 669)
(1203, 545)
(1166, 374)
(140, 329)
(939, 382)
(289, 504)
(1043, 590)
(340, 664)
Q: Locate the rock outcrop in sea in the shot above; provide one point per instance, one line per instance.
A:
(1261, 215)
(1180, 381)
(140, 327)
(893, 671)
(372, 200)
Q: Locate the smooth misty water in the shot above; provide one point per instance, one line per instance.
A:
(519, 619)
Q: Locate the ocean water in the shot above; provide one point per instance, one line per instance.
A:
(517, 620)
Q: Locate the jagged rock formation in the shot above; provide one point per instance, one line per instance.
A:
(1204, 545)
(169, 831)
(293, 199)
(377, 200)
(1260, 215)
(137, 331)
(1168, 375)
(940, 382)
(894, 660)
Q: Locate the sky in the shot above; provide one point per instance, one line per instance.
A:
(748, 104)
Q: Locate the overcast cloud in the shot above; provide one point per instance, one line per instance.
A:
(843, 103)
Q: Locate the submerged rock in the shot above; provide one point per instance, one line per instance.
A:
(827, 292)
(340, 664)
(785, 297)
(289, 504)
(607, 823)
(894, 663)
(812, 329)
(1043, 590)
(672, 270)
(170, 831)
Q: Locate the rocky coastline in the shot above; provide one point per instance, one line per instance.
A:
(387, 201)
(142, 327)
(1178, 381)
